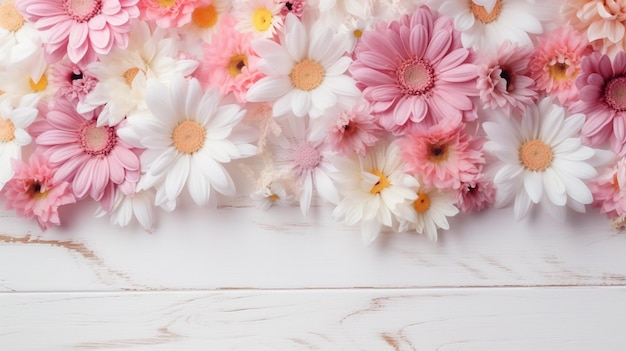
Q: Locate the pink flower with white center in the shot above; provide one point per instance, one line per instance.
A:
(555, 64)
(504, 81)
(229, 61)
(354, 131)
(92, 158)
(415, 70)
(72, 82)
(602, 87)
(609, 190)
(81, 28)
(32, 192)
(443, 156)
(168, 13)
(475, 195)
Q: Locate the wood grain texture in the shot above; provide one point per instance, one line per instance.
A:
(367, 319)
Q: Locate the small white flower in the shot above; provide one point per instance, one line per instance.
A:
(139, 205)
(428, 213)
(542, 154)
(259, 17)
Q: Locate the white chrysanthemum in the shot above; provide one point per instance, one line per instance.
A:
(188, 141)
(122, 74)
(540, 155)
(307, 159)
(18, 38)
(353, 29)
(139, 205)
(428, 213)
(304, 75)
(204, 22)
(485, 24)
(373, 188)
(334, 12)
(13, 135)
(26, 77)
(259, 17)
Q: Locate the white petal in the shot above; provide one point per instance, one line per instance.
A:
(534, 186)
(269, 89)
(177, 177)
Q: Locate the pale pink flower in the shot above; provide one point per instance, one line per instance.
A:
(229, 61)
(555, 63)
(94, 159)
(476, 194)
(81, 28)
(296, 7)
(444, 156)
(354, 131)
(602, 90)
(602, 21)
(609, 190)
(168, 13)
(415, 70)
(503, 79)
(72, 82)
(32, 192)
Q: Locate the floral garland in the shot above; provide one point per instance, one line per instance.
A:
(401, 113)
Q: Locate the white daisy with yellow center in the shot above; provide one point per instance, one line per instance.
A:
(542, 159)
(305, 74)
(428, 213)
(26, 77)
(259, 17)
(188, 141)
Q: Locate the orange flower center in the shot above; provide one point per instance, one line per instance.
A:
(536, 155)
(381, 184)
(130, 75)
(481, 14)
(422, 203)
(189, 137)
(307, 75)
(7, 130)
(10, 17)
(40, 85)
(205, 17)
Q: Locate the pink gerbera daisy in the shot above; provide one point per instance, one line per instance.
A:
(229, 61)
(72, 82)
(444, 156)
(555, 64)
(602, 87)
(168, 13)
(503, 79)
(475, 195)
(609, 190)
(415, 70)
(92, 158)
(354, 131)
(32, 191)
(81, 28)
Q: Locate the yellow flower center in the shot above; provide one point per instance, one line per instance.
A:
(273, 197)
(357, 33)
(35, 190)
(558, 71)
(262, 19)
(438, 152)
(236, 64)
(130, 75)
(10, 17)
(189, 137)
(7, 130)
(422, 203)
(381, 184)
(40, 85)
(536, 155)
(481, 14)
(205, 17)
(166, 3)
(307, 75)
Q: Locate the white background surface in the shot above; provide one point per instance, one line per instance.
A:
(237, 278)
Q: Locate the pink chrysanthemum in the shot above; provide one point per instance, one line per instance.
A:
(415, 71)
(602, 90)
(229, 61)
(608, 190)
(444, 156)
(603, 22)
(296, 7)
(92, 158)
(503, 79)
(168, 13)
(72, 82)
(354, 131)
(555, 63)
(32, 192)
(81, 28)
(475, 195)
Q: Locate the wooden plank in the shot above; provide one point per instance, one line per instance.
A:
(242, 247)
(380, 319)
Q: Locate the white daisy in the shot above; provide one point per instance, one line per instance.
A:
(259, 17)
(353, 29)
(541, 154)
(13, 135)
(485, 24)
(122, 74)
(139, 205)
(18, 37)
(373, 187)
(188, 141)
(274, 193)
(204, 23)
(307, 159)
(428, 213)
(26, 77)
(305, 74)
